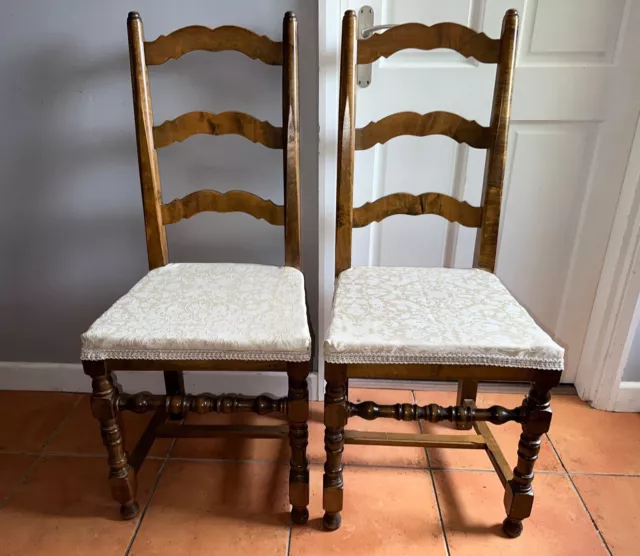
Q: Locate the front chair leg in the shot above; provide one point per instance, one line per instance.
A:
(122, 476)
(335, 418)
(518, 498)
(298, 415)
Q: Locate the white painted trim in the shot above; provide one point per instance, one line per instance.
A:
(329, 18)
(614, 316)
(628, 398)
(69, 377)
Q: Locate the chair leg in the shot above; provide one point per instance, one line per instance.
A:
(518, 497)
(122, 476)
(174, 386)
(298, 415)
(335, 418)
(467, 390)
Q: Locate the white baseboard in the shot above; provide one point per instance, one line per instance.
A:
(68, 377)
(628, 399)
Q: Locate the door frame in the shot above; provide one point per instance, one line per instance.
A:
(329, 24)
(613, 317)
(616, 312)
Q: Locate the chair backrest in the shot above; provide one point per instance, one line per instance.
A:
(151, 137)
(493, 138)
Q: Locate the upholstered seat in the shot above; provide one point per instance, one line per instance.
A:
(433, 316)
(201, 311)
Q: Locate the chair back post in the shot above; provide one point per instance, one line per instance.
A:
(487, 238)
(346, 142)
(147, 158)
(291, 140)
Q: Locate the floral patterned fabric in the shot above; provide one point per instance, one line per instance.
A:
(433, 316)
(206, 311)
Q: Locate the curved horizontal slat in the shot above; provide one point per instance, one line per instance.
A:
(197, 37)
(237, 123)
(232, 201)
(433, 123)
(454, 36)
(427, 203)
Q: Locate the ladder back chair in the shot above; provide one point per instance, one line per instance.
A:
(432, 323)
(207, 317)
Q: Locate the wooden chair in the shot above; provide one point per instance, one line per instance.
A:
(435, 324)
(207, 317)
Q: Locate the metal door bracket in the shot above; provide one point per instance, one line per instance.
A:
(365, 21)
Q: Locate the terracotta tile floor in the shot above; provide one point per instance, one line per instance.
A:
(230, 497)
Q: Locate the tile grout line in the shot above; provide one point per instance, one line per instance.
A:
(143, 513)
(575, 489)
(276, 462)
(39, 455)
(66, 418)
(288, 552)
(433, 487)
(19, 482)
(580, 474)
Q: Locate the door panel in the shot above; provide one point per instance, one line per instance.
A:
(575, 106)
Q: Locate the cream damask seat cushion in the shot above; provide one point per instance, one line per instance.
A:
(433, 316)
(206, 311)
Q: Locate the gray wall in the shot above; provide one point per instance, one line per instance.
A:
(72, 235)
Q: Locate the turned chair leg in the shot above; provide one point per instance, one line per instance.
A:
(122, 476)
(298, 415)
(467, 390)
(518, 498)
(335, 418)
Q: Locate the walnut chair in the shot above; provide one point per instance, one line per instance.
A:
(432, 323)
(207, 317)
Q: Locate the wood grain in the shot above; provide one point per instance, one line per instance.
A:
(496, 457)
(335, 418)
(375, 438)
(467, 392)
(174, 430)
(122, 476)
(291, 141)
(518, 497)
(346, 146)
(298, 415)
(193, 365)
(142, 447)
(487, 238)
(201, 403)
(157, 252)
(453, 36)
(417, 371)
(107, 402)
(228, 37)
(434, 413)
(421, 125)
(427, 203)
(214, 201)
(226, 123)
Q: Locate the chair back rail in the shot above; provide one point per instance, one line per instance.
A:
(231, 201)
(453, 36)
(226, 123)
(433, 123)
(228, 37)
(427, 203)
(150, 138)
(493, 138)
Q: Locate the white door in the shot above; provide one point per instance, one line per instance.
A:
(575, 106)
